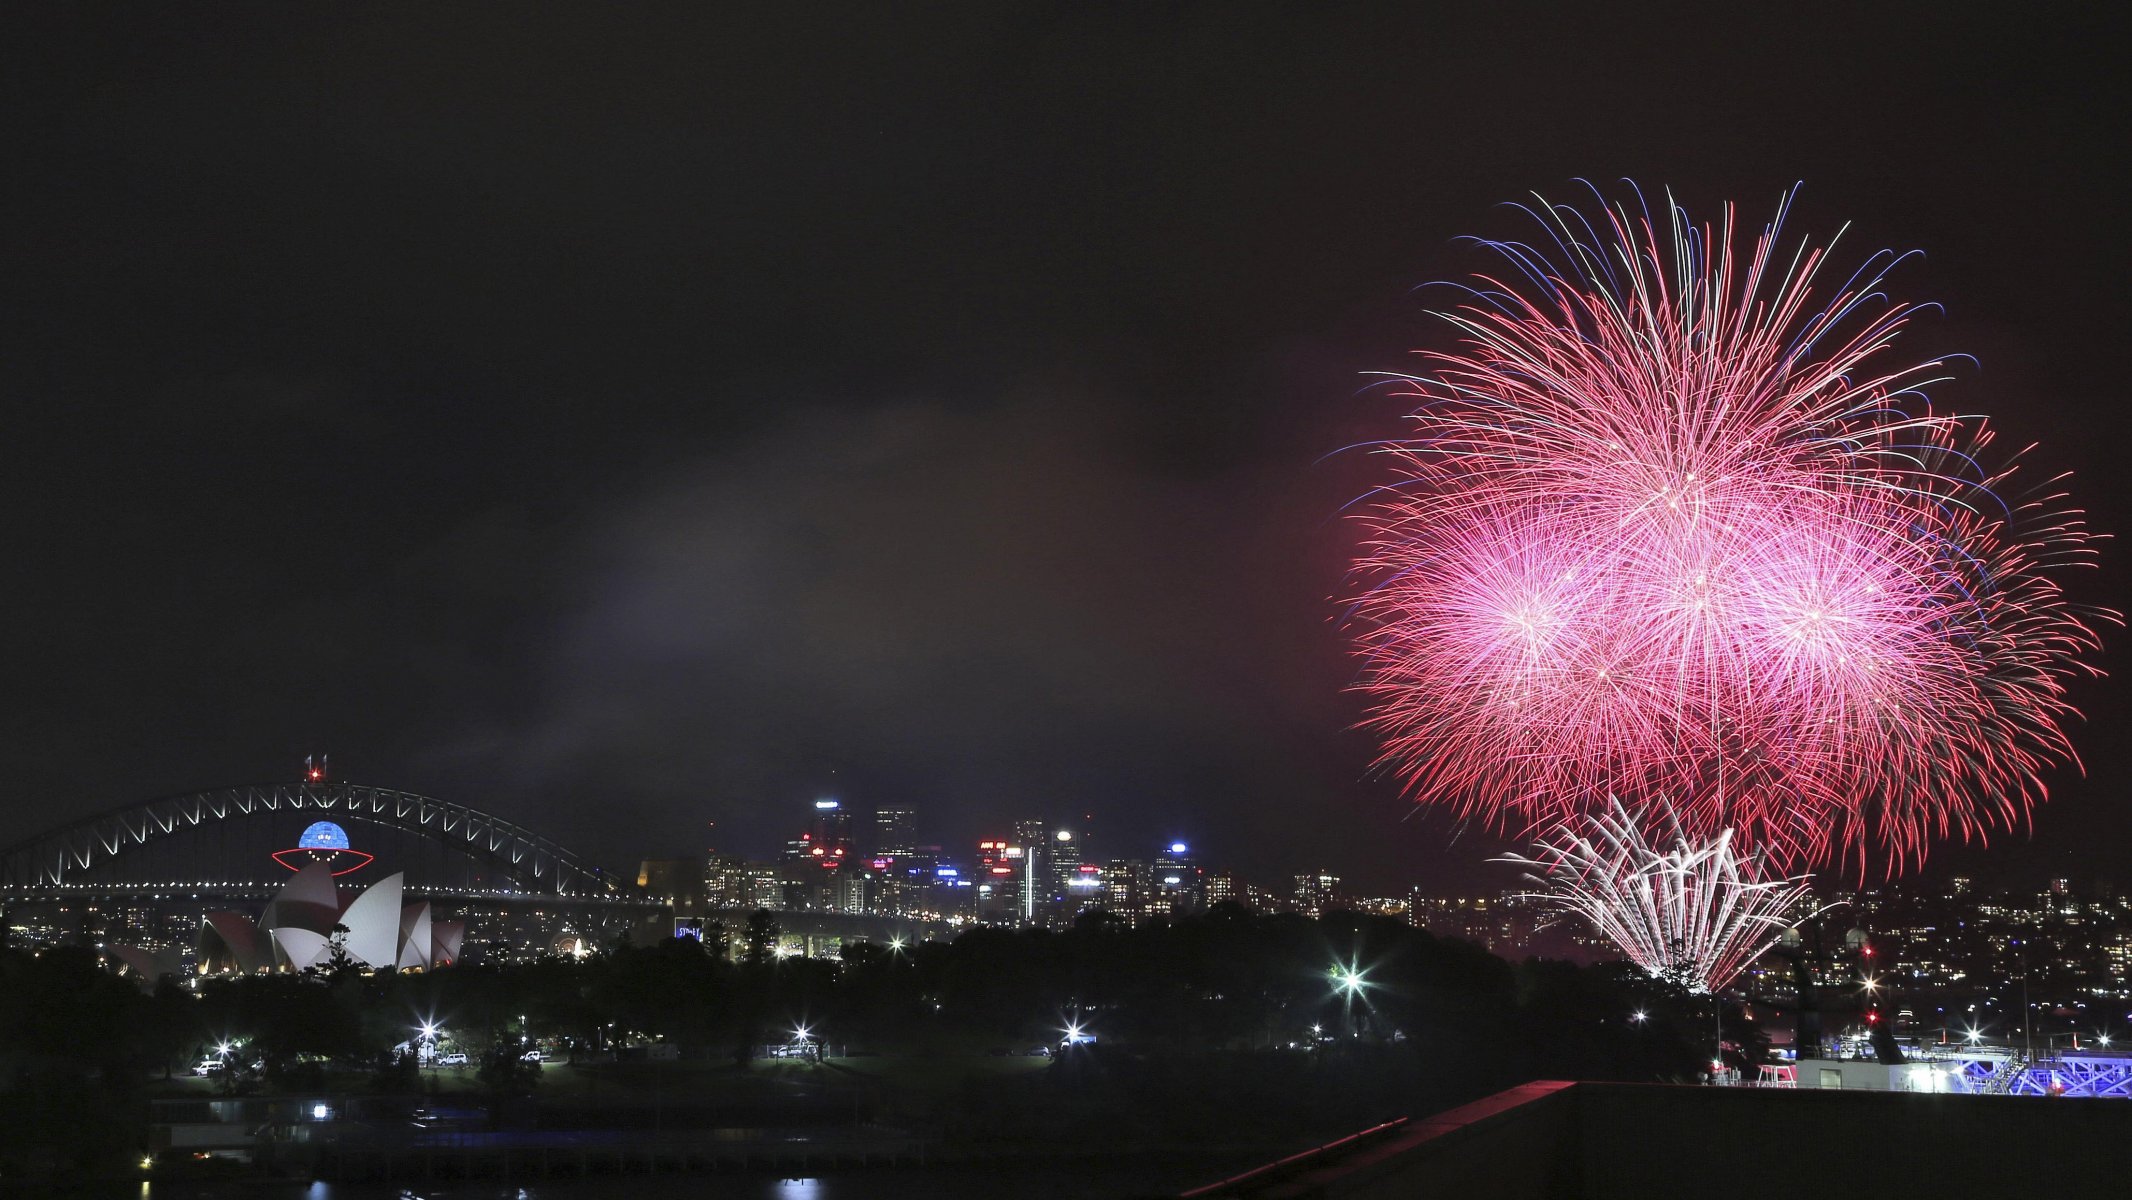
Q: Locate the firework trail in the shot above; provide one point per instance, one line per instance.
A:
(1697, 914)
(1668, 521)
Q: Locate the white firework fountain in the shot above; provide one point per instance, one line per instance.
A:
(1696, 914)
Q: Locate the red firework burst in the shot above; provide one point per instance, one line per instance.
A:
(1668, 524)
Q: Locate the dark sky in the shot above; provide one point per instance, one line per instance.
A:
(626, 418)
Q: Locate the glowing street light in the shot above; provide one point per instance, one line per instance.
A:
(1347, 979)
(1639, 1016)
(896, 944)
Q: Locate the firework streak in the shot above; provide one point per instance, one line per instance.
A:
(1669, 522)
(1697, 914)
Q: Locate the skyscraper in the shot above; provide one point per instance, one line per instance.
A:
(1178, 878)
(1032, 896)
(1314, 894)
(895, 832)
(832, 826)
(1067, 850)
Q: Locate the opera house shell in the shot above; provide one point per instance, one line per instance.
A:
(296, 929)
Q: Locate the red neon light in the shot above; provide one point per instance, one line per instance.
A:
(366, 858)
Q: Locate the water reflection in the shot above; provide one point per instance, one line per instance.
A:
(1063, 1178)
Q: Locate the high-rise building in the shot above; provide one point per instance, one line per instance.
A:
(895, 832)
(827, 840)
(1069, 851)
(1084, 888)
(854, 890)
(832, 827)
(1315, 893)
(1221, 886)
(997, 864)
(1178, 879)
(1129, 889)
(1032, 894)
(725, 881)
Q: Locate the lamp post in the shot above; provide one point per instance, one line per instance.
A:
(1348, 983)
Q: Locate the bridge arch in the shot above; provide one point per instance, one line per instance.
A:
(69, 853)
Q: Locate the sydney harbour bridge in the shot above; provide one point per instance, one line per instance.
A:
(148, 872)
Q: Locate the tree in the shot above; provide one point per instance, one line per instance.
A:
(759, 937)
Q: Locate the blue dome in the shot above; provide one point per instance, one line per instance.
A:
(324, 835)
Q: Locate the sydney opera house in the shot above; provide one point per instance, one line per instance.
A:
(312, 921)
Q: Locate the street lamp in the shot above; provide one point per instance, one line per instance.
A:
(1348, 980)
(1348, 983)
(1639, 1016)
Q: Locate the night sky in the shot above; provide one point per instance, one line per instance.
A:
(624, 419)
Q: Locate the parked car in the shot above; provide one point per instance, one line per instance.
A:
(533, 1056)
(207, 1066)
(456, 1058)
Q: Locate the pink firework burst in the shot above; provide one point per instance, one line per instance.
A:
(1671, 521)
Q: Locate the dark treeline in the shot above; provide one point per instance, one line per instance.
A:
(1204, 1024)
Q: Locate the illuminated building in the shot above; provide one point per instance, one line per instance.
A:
(1128, 888)
(1220, 886)
(826, 842)
(895, 832)
(1084, 888)
(1178, 879)
(853, 890)
(296, 930)
(1069, 852)
(725, 881)
(1031, 897)
(832, 828)
(1314, 894)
